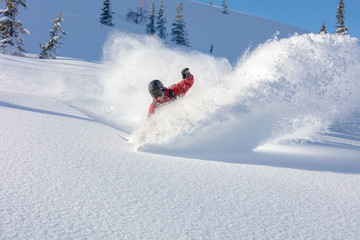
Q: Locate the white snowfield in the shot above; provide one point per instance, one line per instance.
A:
(69, 171)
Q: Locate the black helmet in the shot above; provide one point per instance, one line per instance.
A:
(155, 88)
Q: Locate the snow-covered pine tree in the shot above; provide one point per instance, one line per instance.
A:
(323, 29)
(341, 28)
(160, 22)
(140, 15)
(225, 7)
(10, 27)
(49, 48)
(150, 27)
(178, 33)
(106, 15)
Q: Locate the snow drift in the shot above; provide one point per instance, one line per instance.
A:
(285, 90)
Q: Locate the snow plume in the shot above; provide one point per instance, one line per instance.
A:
(305, 83)
(289, 89)
(132, 61)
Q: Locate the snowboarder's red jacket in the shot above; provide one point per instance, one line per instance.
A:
(177, 89)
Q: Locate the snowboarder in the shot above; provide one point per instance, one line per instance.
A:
(162, 94)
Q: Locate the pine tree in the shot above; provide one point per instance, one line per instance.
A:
(341, 28)
(49, 48)
(178, 33)
(106, 15)
(225, 7)
(140, 15)
(323, 29)
(150, 27)
(10, 28)
(160, 22)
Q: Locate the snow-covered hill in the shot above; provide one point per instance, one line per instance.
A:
(267, 147)
(230, 34)
(69, 172)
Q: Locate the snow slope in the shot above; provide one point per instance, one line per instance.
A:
(68, 170)
(264, 147)
(67, 177)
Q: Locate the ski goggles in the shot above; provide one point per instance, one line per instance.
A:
(159, 93)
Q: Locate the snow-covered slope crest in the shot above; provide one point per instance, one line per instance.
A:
(287, 89)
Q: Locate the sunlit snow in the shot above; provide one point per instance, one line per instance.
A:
(265, 145)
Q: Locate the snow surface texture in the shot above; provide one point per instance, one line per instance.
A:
(68, 170)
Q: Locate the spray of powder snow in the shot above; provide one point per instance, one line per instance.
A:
(284, 90)
(132, 61)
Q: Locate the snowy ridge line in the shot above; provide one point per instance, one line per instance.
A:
(204, 27)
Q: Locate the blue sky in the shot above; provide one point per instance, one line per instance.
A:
(306, 14)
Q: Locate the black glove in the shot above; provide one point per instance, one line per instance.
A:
(185, 73)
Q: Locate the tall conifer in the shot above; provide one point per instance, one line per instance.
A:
(10, 28)
(340, 16)
(225, 7)
(106, 15)
(49, 48)
(150, 27)
(160, 22)
(178, 33)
